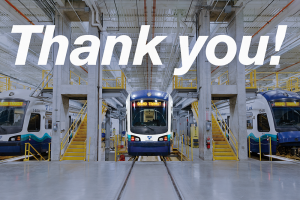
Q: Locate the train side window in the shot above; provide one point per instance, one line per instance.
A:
(249, 120)
(34, 122)
(263, 123)
(48, 120)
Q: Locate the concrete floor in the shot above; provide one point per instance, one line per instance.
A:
(149, 180)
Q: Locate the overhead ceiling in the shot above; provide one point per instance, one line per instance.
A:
(125, 17)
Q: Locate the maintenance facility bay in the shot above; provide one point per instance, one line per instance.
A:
(121, 122)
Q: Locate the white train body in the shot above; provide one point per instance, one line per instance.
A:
(24, 119)
(271, 115)
(152, 135)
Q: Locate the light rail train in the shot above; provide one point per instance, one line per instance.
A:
(272, 115)
(149, 114)
(24, 119)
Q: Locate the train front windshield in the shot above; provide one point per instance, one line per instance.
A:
(149, 113)
(12, 115)
(286, 114)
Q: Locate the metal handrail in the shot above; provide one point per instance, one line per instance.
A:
(114, 83)
(49, 152)
(223, 124)
(43, 84)
(213, 148)
(79, 79)
(81, 116)
(85, 149)
(28, 152)
(178, 83)
(89, 149)
(7, 84)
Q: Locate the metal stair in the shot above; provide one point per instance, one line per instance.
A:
(225, 146)
(221, 148)
(77, 147)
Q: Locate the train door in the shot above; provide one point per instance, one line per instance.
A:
(70, 121)
(249, 116)
(48, 120)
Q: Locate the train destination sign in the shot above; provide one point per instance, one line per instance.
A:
(149, 104)
(8, 103)
(284, 104)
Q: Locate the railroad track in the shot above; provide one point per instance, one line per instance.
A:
(161, 158)
(6, 159)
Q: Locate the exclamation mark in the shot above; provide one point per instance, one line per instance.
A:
(280, 35)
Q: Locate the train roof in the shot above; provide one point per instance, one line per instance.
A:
(146, 94)
(279, 94)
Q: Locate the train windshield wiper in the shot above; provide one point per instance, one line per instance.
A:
(291, 123)
(3, 129)
(297, 127)
(148, 127)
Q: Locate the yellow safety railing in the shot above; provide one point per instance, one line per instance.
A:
(291, 84)
(7, 84)
(181, 147)
(249, 147)
(107, 83)
(47, 84)
(28, 146)
(259, 147)
(85, 149)
(49, 152)
(73, 128)
(185, 83)
(253, 79)
(89, 149)
(225, 129)
(222, 79)
(195, 109)
(76, 80)
(213, 148)
(113, 83)
(181, 83)
(192, 149)
(116, 147)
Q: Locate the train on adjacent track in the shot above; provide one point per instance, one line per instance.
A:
(24, 119)
(272, 115)
(149, 117)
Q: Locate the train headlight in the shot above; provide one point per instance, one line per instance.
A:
(134, 138)
(163, 138)
(15, 138)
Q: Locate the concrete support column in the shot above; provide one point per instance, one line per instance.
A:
(236, 73)
(204, 88)
(107, 136)
(100, 99)
(120, 125)
(92, 98)
(61, 76)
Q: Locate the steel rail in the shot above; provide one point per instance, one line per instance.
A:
(126, 179)
(173, 181)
